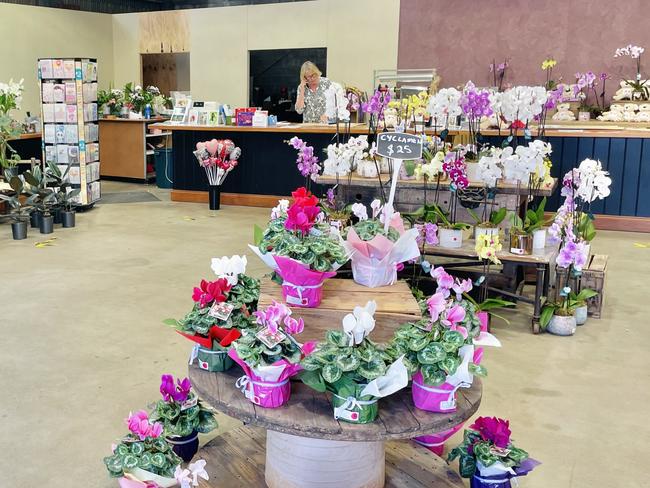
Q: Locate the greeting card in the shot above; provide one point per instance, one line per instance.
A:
(71, 134)
(68, 68)
(70, 92)
(59, 92)
(71, 114)
(62, 154)
(59, 112)
(45, 67)
(57, 68)
(73, 154)
(49, 134)
(50, 154)
(48, 92)
(60, 134)
(48, 112)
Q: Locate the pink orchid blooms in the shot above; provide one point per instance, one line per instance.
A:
(461, 287)
(437, 304)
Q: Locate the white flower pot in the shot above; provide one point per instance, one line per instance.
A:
(581, 315)
(561, 325)
(490, 231)
(450, 238)
(587, 252)
(367, 168)
(539, 239)
(472, 171)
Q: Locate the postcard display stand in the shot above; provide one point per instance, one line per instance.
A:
(68, 90)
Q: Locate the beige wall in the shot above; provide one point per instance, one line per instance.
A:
(360, 36)
(28, 33)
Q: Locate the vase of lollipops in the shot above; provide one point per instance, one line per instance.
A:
(217, 157)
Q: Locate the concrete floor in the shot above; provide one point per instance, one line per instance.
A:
(83, 344)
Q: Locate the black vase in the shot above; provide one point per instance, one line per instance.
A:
(35, 219)
(185, 447)
(47, 224)
(68, 218)
(56, 213)
(19, 230)
(215, 197)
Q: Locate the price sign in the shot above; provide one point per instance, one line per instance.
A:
(397, 145)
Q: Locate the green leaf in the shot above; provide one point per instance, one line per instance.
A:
(130, 461)
(331, 373)
(158, 460)
(418, 343)
(450, 364)
(467, 466)
(432, 375)
(546, 316)
(137, 448)
(453, 337)
(313, 379)
(207, 421)
(477, 369)
(432, 353)
(586, 294)
(347, 363)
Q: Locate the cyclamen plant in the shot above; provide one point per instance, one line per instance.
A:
(367, 228)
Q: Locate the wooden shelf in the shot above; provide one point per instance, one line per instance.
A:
(168, 133)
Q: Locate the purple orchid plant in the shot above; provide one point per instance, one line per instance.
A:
(307, 162)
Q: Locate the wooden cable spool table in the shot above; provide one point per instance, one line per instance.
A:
(307, 447)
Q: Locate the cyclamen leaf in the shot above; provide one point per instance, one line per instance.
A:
(453, 337)
(137, 448)
(432, 353)
(432, 375)
(372, 370)
(517, 455)
(130, 461)
(207, 421)
(417, 344)
(347, 363)
(477, 369)
(331, 373)
(467, 466)
(158, 460)
(145, 460)
(310, 363)
(122, 450)
(449, 365)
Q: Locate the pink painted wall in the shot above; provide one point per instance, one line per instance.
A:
(461, 37)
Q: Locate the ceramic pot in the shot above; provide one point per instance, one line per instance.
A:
(185, 446)
(490, 231)
(581, 315)
(471, 169)
(521, 244)
(68, 218)
(450, 238)
(562, 325)
(19, 230)
(384, 166)
(47, 224)
(539, 239)
(584, 115)
(367, 168)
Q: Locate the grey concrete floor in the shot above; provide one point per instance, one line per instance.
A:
(82, 344)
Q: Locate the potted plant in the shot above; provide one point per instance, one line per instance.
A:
(489, 226)
(111, 102)
(20, 211)
(450, 234)
(142, 455)
(183, 416)
(488, 456)
(66, 195)
(302, 252)
(579, 304)
(44, 196)
(377, 250)
(10, 98)
(522, 232)
(270, 356)
(354, 369)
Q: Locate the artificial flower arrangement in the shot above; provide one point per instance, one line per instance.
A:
(218, 157)
(439, 350)
(11, 95)
(353, 368)
(378, 250)
(270, 356)
(488, 456)
(182, 416)
(222, 308)
(301, 248)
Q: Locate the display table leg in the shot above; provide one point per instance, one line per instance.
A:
(303, 462)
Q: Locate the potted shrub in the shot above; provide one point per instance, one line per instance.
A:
(19, 211)
(354, 369)
(183, 416)
(269, 356)
(489, 226)
(44, 197)
(522, 232)
(488, 457)
(142, 455)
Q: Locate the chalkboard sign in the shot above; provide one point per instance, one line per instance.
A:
(397, 145)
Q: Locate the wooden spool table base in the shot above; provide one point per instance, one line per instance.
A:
(306, 447)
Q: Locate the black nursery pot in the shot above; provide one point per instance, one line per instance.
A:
(35, 219)
(56, 213)
(215, 197)
(19, 230)
(185, 447)
(68, 218)
(47, 224)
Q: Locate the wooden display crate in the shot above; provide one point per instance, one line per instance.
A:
(593, 277)
(395, 306)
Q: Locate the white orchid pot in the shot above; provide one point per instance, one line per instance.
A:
(367, 168)
(489, 231)
(472, 171)
(581, 315)
(539, 239)
(450, 238)
(562, 325)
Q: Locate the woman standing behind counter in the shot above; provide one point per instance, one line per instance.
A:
(310, 101)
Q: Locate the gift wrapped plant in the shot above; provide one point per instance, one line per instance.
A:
(440, 350)
(270, 356)
(143, 455)
(222, 308)
(378, 250)
(183, 416)
(301, 248)
(354, 369)
(488, 456)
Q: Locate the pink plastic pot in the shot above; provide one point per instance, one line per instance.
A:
(436, 442)
(302, 296)
(440, 399)
(263, 393)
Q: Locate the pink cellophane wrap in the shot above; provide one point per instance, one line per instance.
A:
(301, 286)
(149, 480)
(436, 442)
(440, 398)
(375, 262)
(268, 386)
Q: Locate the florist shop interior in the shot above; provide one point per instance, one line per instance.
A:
(324, 243)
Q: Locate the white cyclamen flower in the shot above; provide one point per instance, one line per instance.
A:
(229, 268)
(359, 209)
(376, 207)
(359, 323)
(280, 210)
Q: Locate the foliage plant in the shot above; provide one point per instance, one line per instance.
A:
(113, 99)
(65, 194)
(370, 228)
(180, 411)
(10, 98)
(534, 220)
(39, 186)
(19, 210)
(495, 218)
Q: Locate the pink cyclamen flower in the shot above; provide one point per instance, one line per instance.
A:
(139, 425)
(293, 326)
(461, 287)
(453, 315)
(493, 429)
(445, 280)
(436, 304)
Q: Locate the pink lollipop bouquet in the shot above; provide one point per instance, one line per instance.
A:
(217, 157)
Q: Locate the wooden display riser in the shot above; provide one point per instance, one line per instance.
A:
(237, 459)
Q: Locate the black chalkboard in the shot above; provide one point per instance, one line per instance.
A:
(397, 145)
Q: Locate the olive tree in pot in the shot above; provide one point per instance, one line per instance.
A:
(19, 211)
(44, 197)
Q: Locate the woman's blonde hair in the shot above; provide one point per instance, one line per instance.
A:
(307, 68)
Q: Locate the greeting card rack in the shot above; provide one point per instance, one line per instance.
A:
(68, 94)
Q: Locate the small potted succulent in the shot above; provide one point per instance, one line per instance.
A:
(523, 232)
(489, 226)
(270, 356)
(143, 455)
(488, 456)
(302, 251)
(19, 210)
(377, 250)
(183, 416)
(350, 367)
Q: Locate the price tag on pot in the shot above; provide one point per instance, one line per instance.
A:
(342, 413)
(221, 311)
(399, 145)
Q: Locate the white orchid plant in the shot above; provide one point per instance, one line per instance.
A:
(342, 158)
(336, 103)
(10, 98)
